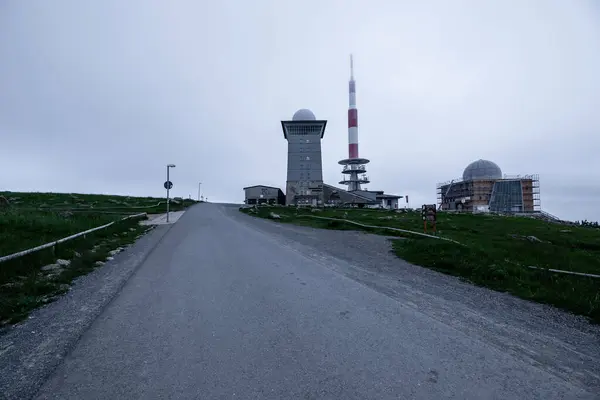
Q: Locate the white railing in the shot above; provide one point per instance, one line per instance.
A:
(385, 227)
(66, 239)
(360, 179)
(446, 239)
(354, 167)
(548, 215)
(560, 271)
(533, 177)
(450, 182)
(115, 207)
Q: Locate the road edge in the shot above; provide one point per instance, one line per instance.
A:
(33, 349)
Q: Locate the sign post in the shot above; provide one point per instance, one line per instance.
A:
(429, 214)
(168, 185)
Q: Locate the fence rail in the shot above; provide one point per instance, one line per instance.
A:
(56, 207)
(548, 215)
(384, 227)
(65, 239)
(443, 238)
(560, 271)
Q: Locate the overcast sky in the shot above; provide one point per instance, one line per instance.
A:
(98, 96)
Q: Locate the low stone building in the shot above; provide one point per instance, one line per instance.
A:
(359, 198)
(388, 201)
(261, 194)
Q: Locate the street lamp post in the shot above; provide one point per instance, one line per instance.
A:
(199, 184)
(168, 188)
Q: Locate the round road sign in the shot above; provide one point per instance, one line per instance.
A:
(168, 185)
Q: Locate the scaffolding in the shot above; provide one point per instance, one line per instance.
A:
(512, 193)
(536, 197)
(459, 194)
(442, 191)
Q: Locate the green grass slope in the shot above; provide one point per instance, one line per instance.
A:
(33, 219)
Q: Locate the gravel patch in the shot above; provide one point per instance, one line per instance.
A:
(32, 349)
(556, 341)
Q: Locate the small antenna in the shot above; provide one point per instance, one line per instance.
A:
(351, 67)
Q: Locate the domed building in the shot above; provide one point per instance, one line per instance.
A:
(482, 169)
(304, 115)
(304, 183)
(483, 188)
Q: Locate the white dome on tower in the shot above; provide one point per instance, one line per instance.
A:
(304, 115)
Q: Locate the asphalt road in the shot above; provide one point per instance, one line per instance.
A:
(224, 309)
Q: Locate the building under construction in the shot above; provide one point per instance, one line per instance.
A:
(483, 188)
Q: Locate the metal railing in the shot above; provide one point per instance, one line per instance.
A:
(442, 238)
(65, 239)
(560, 271)
(360, 179)
(354, 167)
(383, 227)
(548, 215)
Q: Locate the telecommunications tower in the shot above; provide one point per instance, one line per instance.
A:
(354, 167)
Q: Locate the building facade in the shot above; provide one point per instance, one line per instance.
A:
(260, 194)
(304, 183)
(388, 201)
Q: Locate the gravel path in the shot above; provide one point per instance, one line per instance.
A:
(565, 345)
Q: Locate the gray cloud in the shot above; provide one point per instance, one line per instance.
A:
(98, 97)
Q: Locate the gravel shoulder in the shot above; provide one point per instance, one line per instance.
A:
(31, 350)
(552, 340)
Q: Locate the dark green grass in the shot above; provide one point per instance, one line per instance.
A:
(92, 203)
(484, 267)
(33, 219)
(24, 286)
(496, 251)
(20, 230)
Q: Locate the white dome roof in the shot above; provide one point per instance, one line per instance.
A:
(482, 169)
(304, 115)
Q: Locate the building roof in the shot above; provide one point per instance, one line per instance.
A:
(264, 186)
(304, 114)
(482, 169)
(354, 197)
(369, 194)
(388, 196)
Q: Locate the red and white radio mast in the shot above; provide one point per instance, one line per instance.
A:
(353, 165)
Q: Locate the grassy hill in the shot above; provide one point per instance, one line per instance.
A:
(28, 220)
(32, 219)
(494, 251)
